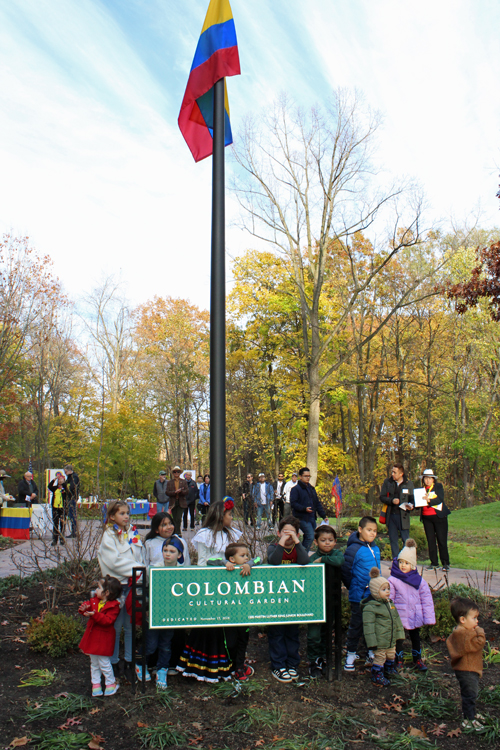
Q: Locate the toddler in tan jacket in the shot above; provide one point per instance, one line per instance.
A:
(465, 646)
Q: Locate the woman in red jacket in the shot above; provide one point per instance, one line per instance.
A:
(99, 638)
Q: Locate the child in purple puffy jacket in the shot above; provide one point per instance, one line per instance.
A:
(413, 599)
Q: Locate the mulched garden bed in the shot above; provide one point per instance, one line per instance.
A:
(414, 712)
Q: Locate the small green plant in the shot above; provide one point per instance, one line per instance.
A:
(60, 740)
(235, 689)
(402, 742)
(335, 720)
(496, 611)
(490, 655)
(463, 590)
(57, 707)
(166, 698)
(38, 678)
(490, 696)
(245, 718)
(54, 634)
(161, 736)
(319, 742)
(432, 705)
(444, 620)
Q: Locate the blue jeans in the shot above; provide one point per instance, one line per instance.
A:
(162, 507)
(160, 639)
(469, 688)
(394, 529)
(283, 646)
(123, 621)
(261, 509)
(307, 527)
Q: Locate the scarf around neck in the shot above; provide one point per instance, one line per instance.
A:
(413, 578)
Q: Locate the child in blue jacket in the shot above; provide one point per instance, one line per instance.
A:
(359, 558)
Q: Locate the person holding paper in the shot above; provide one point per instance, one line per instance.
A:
(397, 494)
(434, 516)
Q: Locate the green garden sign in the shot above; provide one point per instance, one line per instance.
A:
(211, 597)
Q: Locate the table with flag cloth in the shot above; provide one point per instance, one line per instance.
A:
(15, 522)
(137, 508)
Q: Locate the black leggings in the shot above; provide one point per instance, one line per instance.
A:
(415, 641)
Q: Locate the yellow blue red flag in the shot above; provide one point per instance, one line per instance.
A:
(216, 57)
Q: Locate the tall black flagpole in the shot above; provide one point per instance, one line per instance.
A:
(218, 307)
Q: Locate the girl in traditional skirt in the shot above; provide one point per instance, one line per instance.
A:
(205, 655)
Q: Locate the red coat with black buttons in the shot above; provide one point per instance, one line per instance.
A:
(99, 637)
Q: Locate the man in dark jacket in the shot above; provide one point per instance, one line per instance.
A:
(192, 496)
(397, 494)
(177, 491)
(246, 493)
(72, 486)
(27, 491)
(306, 506)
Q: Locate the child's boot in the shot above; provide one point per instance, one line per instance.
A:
(111, 689)
(161, 679)
(349, 661)
(417, 660)
(399, 661)
(390, 667)
(96, 690)
(377, 673)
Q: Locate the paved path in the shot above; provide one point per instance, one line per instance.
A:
(489, 584)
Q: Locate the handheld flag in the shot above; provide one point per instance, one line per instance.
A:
(216, 57)
(337, 495)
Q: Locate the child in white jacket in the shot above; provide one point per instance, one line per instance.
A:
(413, 599)
(120, 551)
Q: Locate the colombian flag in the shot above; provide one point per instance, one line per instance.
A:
(216, 57)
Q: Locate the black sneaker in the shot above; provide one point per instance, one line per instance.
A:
(293, 673)
(282, 675)
(315, 671)
(445, 568)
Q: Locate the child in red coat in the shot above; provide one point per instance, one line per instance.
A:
(99, 638)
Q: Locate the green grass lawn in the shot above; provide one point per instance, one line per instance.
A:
(474, 537)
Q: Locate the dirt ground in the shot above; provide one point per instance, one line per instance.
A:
(351, 713)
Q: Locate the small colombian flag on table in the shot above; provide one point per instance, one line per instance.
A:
(15, 522)
(216, 57)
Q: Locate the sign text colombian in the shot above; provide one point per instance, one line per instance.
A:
(211, 597)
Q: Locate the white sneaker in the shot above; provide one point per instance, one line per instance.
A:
(472, 724)
(349, 661)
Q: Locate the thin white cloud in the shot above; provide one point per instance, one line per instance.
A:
(95, 169)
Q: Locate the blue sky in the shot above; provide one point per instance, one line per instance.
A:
(95, 170)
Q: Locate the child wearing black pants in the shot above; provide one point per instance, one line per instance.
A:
(283, 639)
(465, 646)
